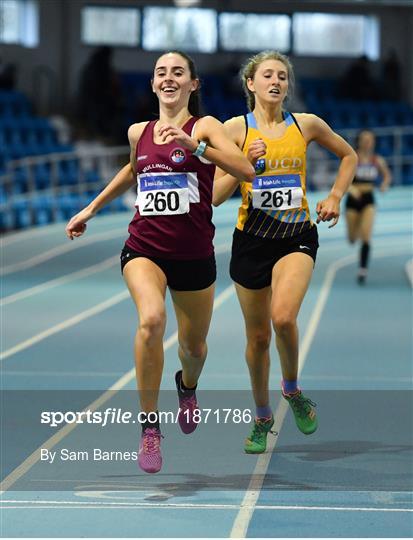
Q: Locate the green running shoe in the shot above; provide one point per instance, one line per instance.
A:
(304, 414)
(257, 441)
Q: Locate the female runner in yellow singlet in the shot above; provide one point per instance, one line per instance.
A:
(275, 241)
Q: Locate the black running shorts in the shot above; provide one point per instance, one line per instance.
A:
(254, 257)
(181, 275)
(359, 203)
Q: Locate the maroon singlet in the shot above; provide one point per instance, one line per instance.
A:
(170, 177)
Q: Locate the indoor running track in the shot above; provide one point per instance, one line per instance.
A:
(67, 332)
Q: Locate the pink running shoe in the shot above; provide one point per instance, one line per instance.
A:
(149, 455)
(187, 405)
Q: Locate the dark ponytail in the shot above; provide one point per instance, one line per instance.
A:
(195, 104)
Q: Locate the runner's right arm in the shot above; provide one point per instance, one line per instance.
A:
(121, 182)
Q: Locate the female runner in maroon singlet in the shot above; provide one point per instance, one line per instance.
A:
(170, 242)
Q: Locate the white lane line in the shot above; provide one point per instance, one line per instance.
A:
(28, 463)
(31, 233)
(248, 504)
(79, 274)
(81, 316)
(59, 250)
(98, 504)
(63, 280)
(38, 232)
(98, 308)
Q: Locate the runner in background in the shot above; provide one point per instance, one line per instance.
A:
(360, 204)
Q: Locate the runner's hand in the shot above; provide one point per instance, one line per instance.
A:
(328, 209)
(256, 149)
(170, 134)
(77, 225)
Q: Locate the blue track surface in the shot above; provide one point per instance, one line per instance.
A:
(68, 326)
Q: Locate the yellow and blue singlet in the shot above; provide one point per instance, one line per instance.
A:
(274, 205)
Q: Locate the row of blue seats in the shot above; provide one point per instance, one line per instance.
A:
(8, 110)
(340, 114)
(67, 174)
(44, 209)
(385, 146)
(29, 122)
(21, 150)
(27, 137)
(12, 96)
(338, 118)
(342, 118)
(360, 105)
(17, 135)
(14, 104)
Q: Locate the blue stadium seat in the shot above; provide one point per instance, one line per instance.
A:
(14, 104)
(42, 176)
(117, 205)
(92, 177)
(407, 145)
(20, 180)
(407, 174)
(6, 219)
(384, 145)
(43, 210)
(3, 195)
(22, 216)
(16, 146)
(68, 173)
(68, 205)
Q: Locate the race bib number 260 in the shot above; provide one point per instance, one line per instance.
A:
(278, 192)
(163, 194)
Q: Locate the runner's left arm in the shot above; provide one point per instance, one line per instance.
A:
(315, 129)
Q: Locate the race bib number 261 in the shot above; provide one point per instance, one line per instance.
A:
(278, 192)
(163, 194)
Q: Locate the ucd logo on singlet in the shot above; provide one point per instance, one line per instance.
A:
(285, 163)
(260, 166)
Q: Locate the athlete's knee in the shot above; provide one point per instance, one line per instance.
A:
(284, 323)
(193, 349)
(259, 341)
(152, 328)
(365, 237)
(352, 234)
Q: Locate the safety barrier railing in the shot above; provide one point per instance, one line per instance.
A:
(38, 190)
